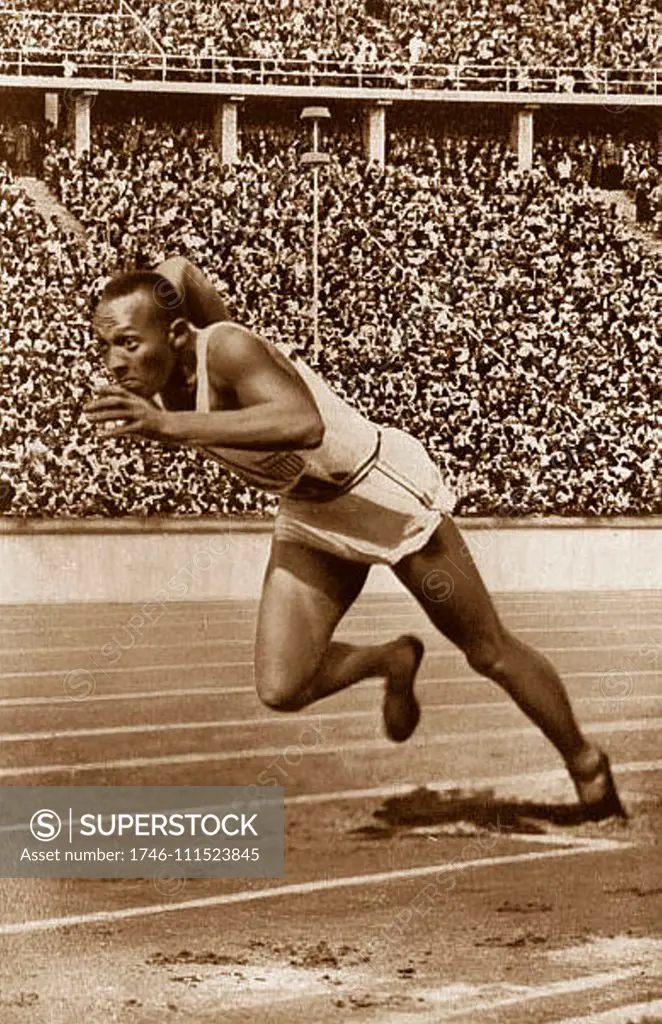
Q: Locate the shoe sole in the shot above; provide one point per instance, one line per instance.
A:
(401, 710)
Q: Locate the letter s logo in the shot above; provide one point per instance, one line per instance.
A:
(45, 825)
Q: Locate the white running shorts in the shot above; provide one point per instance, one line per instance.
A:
(391, 513)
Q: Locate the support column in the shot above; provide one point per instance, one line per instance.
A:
(225, 132)
(522, 137)
(81, 122)
(52, 108)
(374, 132)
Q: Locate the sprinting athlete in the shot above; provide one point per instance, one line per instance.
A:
(352, 494)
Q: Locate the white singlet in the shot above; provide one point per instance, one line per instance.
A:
(366, 494)
(349, 447)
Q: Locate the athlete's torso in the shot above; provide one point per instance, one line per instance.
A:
(348, 449)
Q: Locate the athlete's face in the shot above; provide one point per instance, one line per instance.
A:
(135, 343)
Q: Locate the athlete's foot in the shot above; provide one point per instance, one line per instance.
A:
(596, 788)
(401, 709)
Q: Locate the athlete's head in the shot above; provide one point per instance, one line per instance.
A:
(140, 325)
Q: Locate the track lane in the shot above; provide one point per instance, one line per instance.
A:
(579, 888)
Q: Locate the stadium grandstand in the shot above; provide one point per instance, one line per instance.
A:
(488, 272)
(505, 46)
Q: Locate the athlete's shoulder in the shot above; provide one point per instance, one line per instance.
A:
(228, 336)
(234, 350)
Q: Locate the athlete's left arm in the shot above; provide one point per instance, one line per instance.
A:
(201, 303)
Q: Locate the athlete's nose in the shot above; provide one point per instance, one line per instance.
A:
(117, 363)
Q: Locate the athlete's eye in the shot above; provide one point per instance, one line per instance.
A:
(127, 342)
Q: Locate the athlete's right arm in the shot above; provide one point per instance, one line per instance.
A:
(274, 408)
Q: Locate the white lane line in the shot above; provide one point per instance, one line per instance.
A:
(556, 989)
(378, 622)
(542, 603)
(595, 843)
(520, 619)
(426, 633)
(322, 749)
(472, 783)
(199, 691)
(135, 644)
(268, 720)
(633, 1013)
(213, 621)
(507, 599)
(300, 889)
(450, 652)
(219, 691)
(95, 669)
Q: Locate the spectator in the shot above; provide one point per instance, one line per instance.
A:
(417, 48)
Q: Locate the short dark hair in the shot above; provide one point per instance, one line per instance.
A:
(166, 298)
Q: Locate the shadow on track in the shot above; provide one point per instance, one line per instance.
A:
(426, 808)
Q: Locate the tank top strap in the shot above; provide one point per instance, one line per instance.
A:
(202, 372)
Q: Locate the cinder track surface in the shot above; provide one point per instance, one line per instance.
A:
(441, 880)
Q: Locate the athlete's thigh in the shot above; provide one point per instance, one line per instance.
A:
(306, 593)
(445, 581)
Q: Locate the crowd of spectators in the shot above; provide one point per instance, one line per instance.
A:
(610, 163)
(397, 37)
(414, 32)
(63, 6)
(22, 146)
(605, 33)
(504, 318)
(41, 33)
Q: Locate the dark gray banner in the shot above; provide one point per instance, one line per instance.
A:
(141, 832)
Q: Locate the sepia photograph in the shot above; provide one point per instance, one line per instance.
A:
(330, 512)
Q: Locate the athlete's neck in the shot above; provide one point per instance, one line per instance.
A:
(179, 392)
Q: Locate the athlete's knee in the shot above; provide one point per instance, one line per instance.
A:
(489, 655)
(279, 700)
(277, 693)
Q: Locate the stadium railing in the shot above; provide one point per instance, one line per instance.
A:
(213, 69)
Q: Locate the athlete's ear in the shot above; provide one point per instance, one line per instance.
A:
(179, 332)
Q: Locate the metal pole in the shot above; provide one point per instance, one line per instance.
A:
(314, 160)
(316, 242)
(316, 239)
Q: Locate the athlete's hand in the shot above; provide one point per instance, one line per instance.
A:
(137, 415)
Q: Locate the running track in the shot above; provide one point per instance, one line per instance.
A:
(540, 921)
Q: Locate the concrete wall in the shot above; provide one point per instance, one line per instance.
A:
(198, 560)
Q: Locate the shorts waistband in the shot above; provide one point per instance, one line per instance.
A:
(312, 488)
